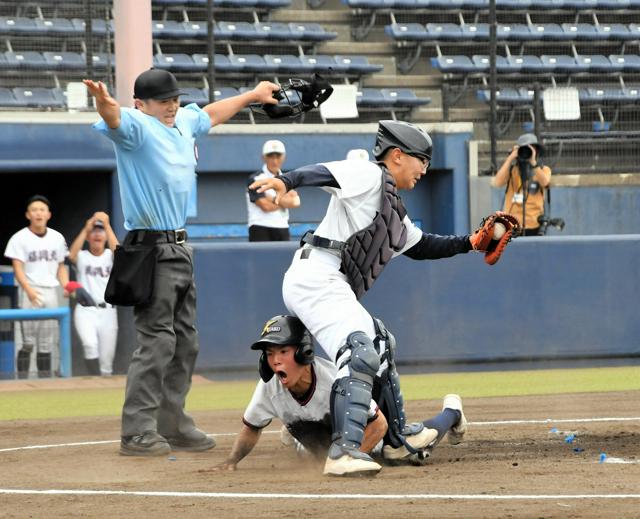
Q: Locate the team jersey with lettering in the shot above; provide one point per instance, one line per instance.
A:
(94, 271)
(40, 255)
(308, 420)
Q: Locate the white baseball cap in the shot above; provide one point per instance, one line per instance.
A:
(358, 154)
(273, 147)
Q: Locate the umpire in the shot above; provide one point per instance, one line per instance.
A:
(153, 271)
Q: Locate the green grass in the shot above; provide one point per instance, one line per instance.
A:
(30, 405)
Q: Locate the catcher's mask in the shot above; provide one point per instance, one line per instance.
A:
(406, 136)
(284, 330)
(296, 97)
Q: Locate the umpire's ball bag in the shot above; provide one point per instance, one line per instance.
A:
(131, 280)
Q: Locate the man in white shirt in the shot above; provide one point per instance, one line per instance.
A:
(37, 254)
(267, 220)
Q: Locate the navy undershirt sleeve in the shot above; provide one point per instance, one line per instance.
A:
(434, 246)
(313, 175)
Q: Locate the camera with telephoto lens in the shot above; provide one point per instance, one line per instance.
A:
(545, 222)
(525, 152)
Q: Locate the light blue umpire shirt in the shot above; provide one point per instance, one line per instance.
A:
(156, 165)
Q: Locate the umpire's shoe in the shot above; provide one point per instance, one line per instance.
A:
(149, 443)
(349, 462)
(457, 432)
(194, 441)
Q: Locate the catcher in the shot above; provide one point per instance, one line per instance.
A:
(296, 388)
(365, 226)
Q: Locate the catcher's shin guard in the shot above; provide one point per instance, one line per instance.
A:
(93, 366)
(22, 363)
(351, 397)
(43, 361)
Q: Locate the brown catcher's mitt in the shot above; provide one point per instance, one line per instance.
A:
(483, 239)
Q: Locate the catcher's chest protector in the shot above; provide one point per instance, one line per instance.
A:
(370, 249)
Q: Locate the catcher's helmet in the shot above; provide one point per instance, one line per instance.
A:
(398, 134)
(284, 330)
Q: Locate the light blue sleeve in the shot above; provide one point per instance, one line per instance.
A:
(129, 135)
(196, 118)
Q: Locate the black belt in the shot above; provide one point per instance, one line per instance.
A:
(147, 237)
(323, 243)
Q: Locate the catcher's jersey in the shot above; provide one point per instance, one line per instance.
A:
(354, 204)
(94, 271)
(308, 421)
(41, 255)
(256, 216)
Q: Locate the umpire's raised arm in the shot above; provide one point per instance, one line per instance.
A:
(222, 111)
(107, 106)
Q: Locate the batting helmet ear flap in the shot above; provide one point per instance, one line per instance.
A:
(304, 353)
(266, 373)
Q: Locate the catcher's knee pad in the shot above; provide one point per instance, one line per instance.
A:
(351, 396)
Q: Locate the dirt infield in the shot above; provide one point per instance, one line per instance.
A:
(504, 460)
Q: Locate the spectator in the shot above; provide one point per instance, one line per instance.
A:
(523, 168)
(97, 326)
(267, 220)
(37, 254)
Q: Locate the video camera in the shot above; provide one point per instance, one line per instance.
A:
(545, 222)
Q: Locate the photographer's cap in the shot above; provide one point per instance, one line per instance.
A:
(156, 84)
(273, 146)
(528, 139)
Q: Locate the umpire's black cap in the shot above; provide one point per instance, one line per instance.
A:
(156, 84)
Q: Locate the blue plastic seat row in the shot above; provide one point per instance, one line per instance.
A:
(524, 96)
(173, 29)
(514, 32)
(271, 63)
(539, 64)
(26, 97)
(500, 4)
(50, 60)
(238, 4)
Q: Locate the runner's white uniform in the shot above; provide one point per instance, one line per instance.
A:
(314, 289)
(97, 326)
(308, 419)
(41, 257)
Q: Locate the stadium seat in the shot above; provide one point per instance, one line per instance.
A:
(580, 4)
(36, 97)
(634, 31)
(475, 31)
(372, 97)
(322, 63)
(17, 25)
(444, 31)
(596, 63)
(626, 62)
(407, 31)
(614, 31)
(98, 26)
(582, 31)
(285, 63)
(6, 97)
(167, 29)
(27, 59)
(249, 63)
(65, 60)
(194, 30)
(56, 26)
(613, 4)
(514, 31)
(404, 97)
(274, 31)
(513, 4)
(481, 63)
(549, 31)
(193, 95)
(176, 62)
(310, 32)
(560, 63)
(453, 64)
(508, 96)
(221, 63)
(357, 65)
(525, 64)
(237, 30)
(547, 4)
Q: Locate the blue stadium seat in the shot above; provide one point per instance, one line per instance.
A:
(274, 31)
(453, 64)
(582, 31)
(59, 95)
(370, 4)
(513, 4)
(407, 31)
(285, 63)
(357, 65)
(193, 95)
(547, 4)
(237, 30)
(580, 4)
(475, 4)
(6, 97)
(561, 63)
(225, 92)
(596, 63)
(65, 60)
(36, 97)
(626, 62)
(481, 62)
(613, 4)
(100, 60)
(273, 4)
(549, 31)
(310, 32)
(249, 63)
(475, 31)
(167, 29)
(322, 63)
(194, 30)
(98, 26)
(614, 31)
(504, 96)
(607, 95)
(444, 31)
(514, 31)
(3, 61)
(17, 25)
(404, 97)
(175, 62)
(56, 26)
(372, 97)
(634, 31)
(525, 64)
(221, 63)
(28, 59)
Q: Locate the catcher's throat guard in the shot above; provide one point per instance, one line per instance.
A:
(296, 97)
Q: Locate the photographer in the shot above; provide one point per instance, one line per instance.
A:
(526, 179)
